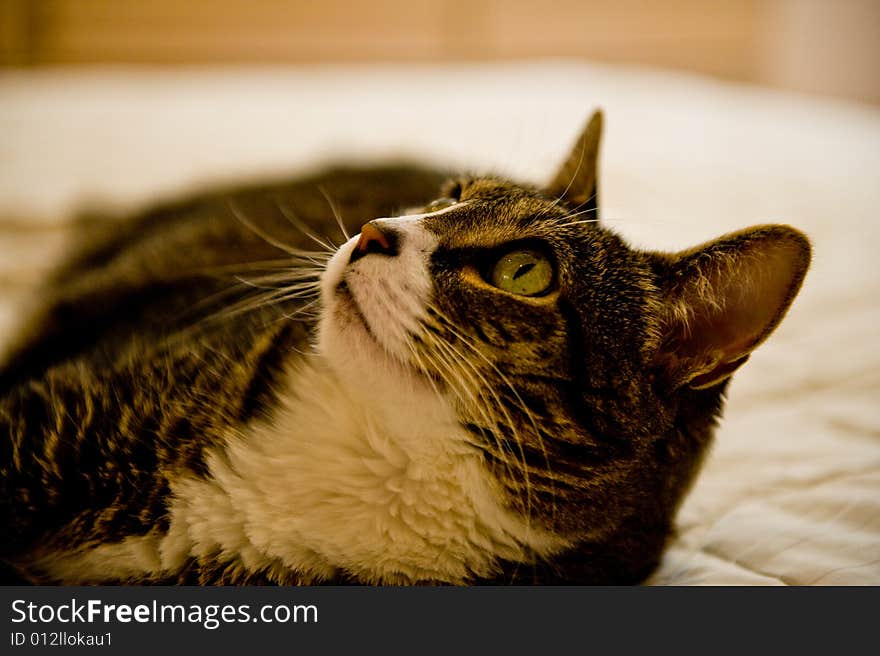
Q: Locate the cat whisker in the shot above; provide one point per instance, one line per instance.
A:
(574, 214)
(414, 353)
(269, 239)
(606, 220)
(576, 209)
(284, 279)
(469, 395)
(297, 223)
(521, 461)
(249, 305)
(296, 284)
(314, 259)
(271, 296)
(574, 223)
(295, 295)
(558, 223)
(572, 180)
(453, 380)
(498, 403)
(443, 366)
(467, 342)
(336, 214)
(301, 257)
(302, 311)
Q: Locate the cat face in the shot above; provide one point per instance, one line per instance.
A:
(499, 300)
(588, 375)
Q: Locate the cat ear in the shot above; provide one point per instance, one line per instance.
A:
(576, 181)
(724, 298)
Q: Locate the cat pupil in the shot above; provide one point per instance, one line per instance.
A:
(523, 270)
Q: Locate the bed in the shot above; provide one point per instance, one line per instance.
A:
(791, 492)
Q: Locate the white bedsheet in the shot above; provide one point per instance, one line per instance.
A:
(791, 492)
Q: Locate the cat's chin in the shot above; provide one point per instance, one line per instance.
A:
(350, 347)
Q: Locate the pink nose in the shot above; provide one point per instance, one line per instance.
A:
(375, 239)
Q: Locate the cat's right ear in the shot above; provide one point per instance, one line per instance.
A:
(722, 299)
(577, 181)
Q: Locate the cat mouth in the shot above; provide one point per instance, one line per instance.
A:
(348, 303)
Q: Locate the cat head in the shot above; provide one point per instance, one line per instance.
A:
(587, 374)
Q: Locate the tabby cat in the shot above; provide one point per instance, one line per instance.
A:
(487, 387)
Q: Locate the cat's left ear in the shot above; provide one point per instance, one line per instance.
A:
(577, 181)
(723, 299)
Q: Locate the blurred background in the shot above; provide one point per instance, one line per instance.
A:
(817, 46)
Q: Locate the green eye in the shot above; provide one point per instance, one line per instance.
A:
(439, 204)
(525, 272)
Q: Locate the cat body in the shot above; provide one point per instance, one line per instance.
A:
(486, 385)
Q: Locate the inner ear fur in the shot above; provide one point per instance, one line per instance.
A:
(723, 299)
(577, 182)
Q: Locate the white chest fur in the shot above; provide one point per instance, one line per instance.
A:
(383, 485)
